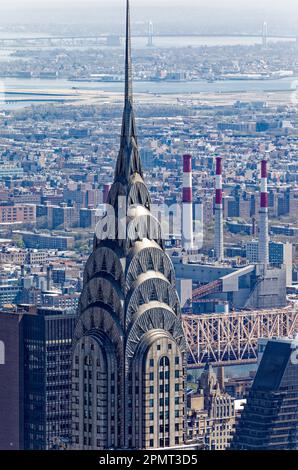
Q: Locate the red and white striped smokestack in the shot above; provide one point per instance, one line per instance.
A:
(218, 235)
(187, 209)
(263, 226)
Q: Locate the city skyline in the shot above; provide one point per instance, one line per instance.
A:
(148, 228)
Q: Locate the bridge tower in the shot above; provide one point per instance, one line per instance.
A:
(150, 34)
(265, 35)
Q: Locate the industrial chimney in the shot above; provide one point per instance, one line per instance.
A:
(106, 190)
(187, 214)
(263, 224)
(218, 236)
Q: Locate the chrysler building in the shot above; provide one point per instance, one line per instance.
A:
(129, 352)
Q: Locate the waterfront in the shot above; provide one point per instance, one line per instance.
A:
(198, 41)
(20, 92)
(183, 68)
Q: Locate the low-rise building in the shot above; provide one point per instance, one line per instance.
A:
(211, 412)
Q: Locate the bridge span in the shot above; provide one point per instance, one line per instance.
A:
(232, 338)
(75, 40)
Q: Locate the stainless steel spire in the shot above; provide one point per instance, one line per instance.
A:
(128, 64)
(128, 160)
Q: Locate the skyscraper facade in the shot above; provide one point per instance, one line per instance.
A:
(129, 355)
(35, 383)
(269, 420)
(47, 380)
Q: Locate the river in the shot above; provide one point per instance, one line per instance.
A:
(38, 86)
(34, 85)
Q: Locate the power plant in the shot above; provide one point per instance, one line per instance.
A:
(222, 295)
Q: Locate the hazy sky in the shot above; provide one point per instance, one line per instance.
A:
(251, 4)
(150, 2)
(206, 12)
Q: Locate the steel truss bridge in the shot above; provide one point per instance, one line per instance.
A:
(231, 339)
